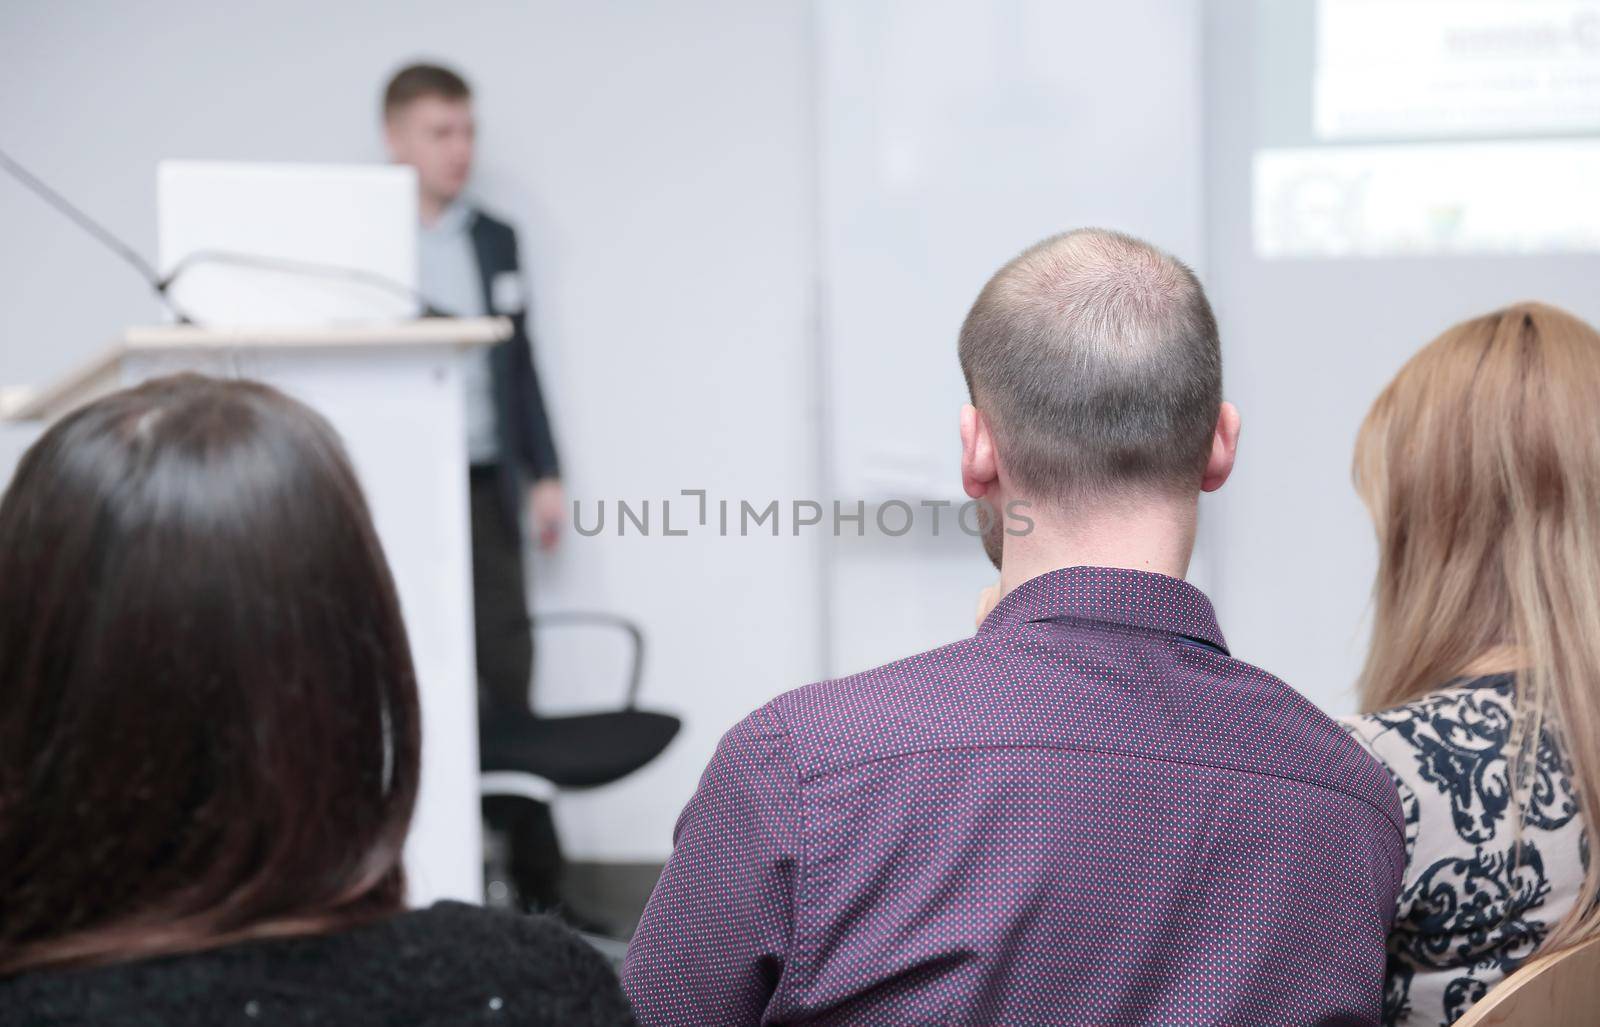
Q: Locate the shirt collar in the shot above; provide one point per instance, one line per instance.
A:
(453, 219)
(1111, 595)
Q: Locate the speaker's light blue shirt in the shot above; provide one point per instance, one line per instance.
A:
(449, 278)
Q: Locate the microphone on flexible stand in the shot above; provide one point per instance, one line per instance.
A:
(158, 283)
(161, 284)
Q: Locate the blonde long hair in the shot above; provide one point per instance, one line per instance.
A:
(1480, 465)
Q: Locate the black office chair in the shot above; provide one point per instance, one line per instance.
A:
(528, 760)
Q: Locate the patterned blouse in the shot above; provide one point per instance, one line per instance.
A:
(1475, 902)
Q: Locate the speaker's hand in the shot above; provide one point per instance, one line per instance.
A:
(545, 510)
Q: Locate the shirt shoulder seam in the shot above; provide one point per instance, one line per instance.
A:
(1096, 751)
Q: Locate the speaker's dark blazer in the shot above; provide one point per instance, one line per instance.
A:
(527, 447)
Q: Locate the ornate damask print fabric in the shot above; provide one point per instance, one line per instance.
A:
(1478, 899)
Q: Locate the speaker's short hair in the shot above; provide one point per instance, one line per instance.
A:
(415, 81)
(1096, 359)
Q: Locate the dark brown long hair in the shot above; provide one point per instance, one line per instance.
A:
(208, 714)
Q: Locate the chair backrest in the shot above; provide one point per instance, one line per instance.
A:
(1559, 990)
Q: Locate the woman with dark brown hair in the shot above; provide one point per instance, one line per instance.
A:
(209, 742)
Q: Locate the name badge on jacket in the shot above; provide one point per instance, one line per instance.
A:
(506, 293)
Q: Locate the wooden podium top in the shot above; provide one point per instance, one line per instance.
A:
(100, 375)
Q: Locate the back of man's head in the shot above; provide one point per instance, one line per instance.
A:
(1095, 358)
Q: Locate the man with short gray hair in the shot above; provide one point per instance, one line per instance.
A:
(1089, 811)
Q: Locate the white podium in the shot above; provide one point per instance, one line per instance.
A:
(394, 393)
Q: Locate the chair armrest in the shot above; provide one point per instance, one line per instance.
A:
(518, 783)
(569, 618)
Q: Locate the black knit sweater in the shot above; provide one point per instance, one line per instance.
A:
(451, 964)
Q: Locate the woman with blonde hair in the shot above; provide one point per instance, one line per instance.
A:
(1480, 466)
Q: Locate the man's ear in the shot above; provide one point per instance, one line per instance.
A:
(1224, 445)
(980, 472)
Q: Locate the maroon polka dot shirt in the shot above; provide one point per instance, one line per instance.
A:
(1087, 813)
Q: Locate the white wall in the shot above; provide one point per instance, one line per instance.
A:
(953, 135)
(15, 438)
(1307, 345)
(657, 157)
(667, 193)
